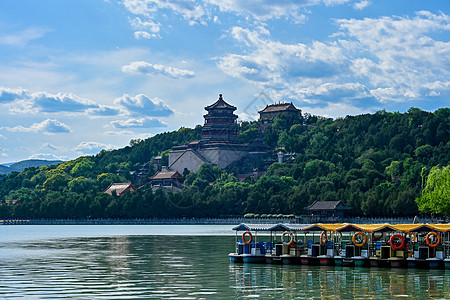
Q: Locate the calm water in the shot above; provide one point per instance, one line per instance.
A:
(179, 262)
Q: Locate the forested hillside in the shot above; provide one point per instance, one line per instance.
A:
(376, 163)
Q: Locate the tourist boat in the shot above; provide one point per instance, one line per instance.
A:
(248, 249)
(375, 245)
(321, 248)
(292, 247)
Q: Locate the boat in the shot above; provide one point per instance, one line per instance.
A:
(343, 244)
(248, 249)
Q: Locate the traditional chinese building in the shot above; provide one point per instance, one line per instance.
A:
(119, 188)
(219, 144)
(272, 111)
(167, 179)
(328, 209)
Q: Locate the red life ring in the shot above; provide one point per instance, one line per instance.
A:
(397, 245)
(250, 235)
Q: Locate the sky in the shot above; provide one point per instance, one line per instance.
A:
(79, 76)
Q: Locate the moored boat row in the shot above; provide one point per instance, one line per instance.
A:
(344, 244)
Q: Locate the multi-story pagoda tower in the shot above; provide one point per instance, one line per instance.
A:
(220, 123)
(220, 143)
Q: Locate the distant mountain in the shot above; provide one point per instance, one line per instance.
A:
(24, 164)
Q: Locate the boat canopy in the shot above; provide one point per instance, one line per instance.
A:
(345, 227)
(324, 227)
(295, 227)
(260, 227)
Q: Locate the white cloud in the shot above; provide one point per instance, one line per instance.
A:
(143, 67)
(138, 123)
(22, 38)
(48, 126)
(361, 5)
(141, 105)
(398, 53)
(28, 102)
(143, 35)
(395, 58)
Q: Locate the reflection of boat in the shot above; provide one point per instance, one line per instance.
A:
(375, 245)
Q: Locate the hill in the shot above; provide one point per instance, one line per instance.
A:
(375, 163)
(25, 164)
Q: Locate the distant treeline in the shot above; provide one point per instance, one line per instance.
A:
(376, 163)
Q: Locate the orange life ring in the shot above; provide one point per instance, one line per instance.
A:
(397, 245)
(250, 235)
(323, 238)
(438, 239)
(377, 238)
(359, 234)
(291, 239)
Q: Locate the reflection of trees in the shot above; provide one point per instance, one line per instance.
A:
(302, 282)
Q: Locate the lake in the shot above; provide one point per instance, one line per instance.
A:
(179, 262)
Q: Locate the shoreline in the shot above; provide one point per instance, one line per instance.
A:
(205, 221)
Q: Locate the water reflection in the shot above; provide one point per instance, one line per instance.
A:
(188, 267)
(315, 282)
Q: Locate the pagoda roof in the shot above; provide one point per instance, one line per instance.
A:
(278, 107)
(220, 104)
(119, 187)
(167, 175)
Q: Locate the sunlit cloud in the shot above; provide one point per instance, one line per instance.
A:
(48, 126)
(141, 105)
(142, 67)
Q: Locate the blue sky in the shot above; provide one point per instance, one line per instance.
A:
(80, 76)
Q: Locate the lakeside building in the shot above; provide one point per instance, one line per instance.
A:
(327, 209)
(220, 143)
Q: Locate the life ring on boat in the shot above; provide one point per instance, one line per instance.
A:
(377, 237)
(250, 235)
(291, 239)
(359, 233)
(438, 239)
(412, 236)
(323, 238)
(397, 245)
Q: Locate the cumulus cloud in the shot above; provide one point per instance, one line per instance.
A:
(142, 106)
(272, 62)
(367, 62)
(143, 67)
(400, 54)
(10, 95)
(61, 102)
(361, 5)
(48, 126)
(138, 123)
(29, 102)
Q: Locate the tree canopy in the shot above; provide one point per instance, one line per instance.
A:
(372, 162)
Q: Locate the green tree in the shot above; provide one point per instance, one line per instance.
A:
(435, 197)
